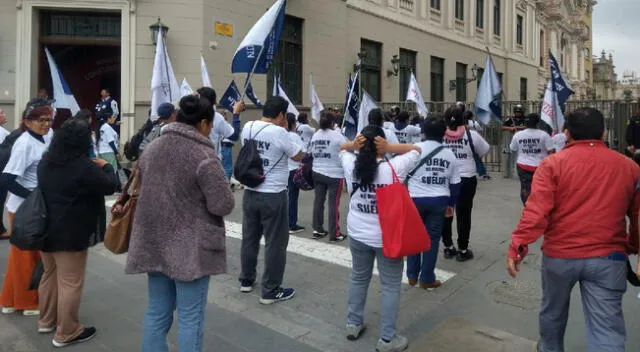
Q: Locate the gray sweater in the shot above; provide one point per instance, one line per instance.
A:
(178, 228)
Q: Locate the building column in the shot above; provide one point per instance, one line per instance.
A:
(471, 12)
(532, 33)
(554, 42)
(582, 67)
(574, 60)
(450, 15)
(488, 23)
(509, 29)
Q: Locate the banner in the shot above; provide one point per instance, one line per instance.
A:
(64, 99)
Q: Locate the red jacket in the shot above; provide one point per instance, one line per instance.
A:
(579, 200)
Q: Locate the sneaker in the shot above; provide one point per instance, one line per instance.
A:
(85, 336)
(46, 330)
(30, 312)
(319, 234)
(450, 252)
(430, 286)
(296, 229)
(338, 238)
(412, 282)
(355, 331)
(8, 310)
(463, 256)
(282, 294)
(399, 343)
(246, 286)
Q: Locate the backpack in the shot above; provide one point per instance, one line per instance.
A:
(132, 147)
(248, 169)
(6, 146)
(303, 176)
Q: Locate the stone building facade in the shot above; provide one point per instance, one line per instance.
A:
(605, 78)
(108, 43)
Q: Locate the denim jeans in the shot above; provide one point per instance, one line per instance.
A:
(167, 295)
(227, 160)
(294, 193)
(422, 266)
(603, 283)
(363, 257)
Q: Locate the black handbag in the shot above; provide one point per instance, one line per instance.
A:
(30, 223)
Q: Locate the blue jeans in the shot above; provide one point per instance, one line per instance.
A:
(363, 257)
(294, 193)
(423, 265)
(165, 296)
(603, 283)
(227, 160)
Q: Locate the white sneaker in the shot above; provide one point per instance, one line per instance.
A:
(31, 313)
(8, 310)
(398, 344)
(46, 330)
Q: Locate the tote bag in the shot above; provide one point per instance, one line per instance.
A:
(30, 223)
(403, 232)
(118, 234)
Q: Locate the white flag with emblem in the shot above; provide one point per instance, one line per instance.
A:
(414, 95)
(164, 86)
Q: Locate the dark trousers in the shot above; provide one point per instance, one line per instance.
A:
(294, 193)
(333, 186)
(264, 213)
(3, 199)
(526, 177)
(463, 215)
(422, 266)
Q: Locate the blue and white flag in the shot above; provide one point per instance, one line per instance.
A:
(258, 49)
(560, 85)
(64, 99)
(489, 94)
(251, 94)
(352, 100)
(231, 96)
(164, 86)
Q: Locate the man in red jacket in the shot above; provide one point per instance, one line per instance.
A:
(579, 200)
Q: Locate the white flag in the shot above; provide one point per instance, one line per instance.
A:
(61, 91)
(185, 88)
(366, 105)
(489, 94)
(164, 86)
(551, 113)
(316, 105)
(206, 81)
(279, 92)
(415, 95)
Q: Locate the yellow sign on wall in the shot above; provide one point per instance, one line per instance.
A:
(224, 29)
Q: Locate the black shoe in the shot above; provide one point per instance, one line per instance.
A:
(86, 335)
(296, 229)
(338, 238)
(450, 252)
(282, 294)
(464, 256)
(320, 234)
(246, 286)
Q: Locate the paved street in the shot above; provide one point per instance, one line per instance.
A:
(477, 309)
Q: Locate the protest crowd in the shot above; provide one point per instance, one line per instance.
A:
(406, 177)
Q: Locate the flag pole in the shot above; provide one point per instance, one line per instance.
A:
(346, 108)
(246, 84)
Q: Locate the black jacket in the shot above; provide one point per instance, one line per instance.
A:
(74, 195)
(633, 132)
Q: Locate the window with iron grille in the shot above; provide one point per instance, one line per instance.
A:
(461, 82)
(460, 9)
(480, 14)
(519, 29)
(371, 69)
(80, 24)
(497, 17)
(288, 60)
(435, 4)
(407, 65)
(523, 89)
(437, 79)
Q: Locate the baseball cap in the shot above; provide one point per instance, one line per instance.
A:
(165, 110)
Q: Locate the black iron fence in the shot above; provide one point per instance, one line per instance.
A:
(617, 115)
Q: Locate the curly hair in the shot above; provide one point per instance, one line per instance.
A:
(70, 142)
(366, 166)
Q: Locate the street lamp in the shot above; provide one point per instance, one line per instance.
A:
(395, 65)
(361, 56)
(155, 28)
(453, 84)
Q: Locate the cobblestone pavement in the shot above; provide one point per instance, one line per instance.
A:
(479, 308)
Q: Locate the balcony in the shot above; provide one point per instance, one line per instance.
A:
(407, 5)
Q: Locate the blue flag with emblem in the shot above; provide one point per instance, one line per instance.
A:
(259, 47)
(231, 96)
(352, 100)
(250, 94)
(489, 94)
(560, 86)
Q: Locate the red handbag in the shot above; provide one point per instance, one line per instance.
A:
(403, 232)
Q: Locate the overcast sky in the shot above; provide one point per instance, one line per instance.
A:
(616, 29)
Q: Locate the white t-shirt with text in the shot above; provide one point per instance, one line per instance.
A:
(107, 135)
(362, 220)
(532, 145)
(295, 139)
(305, 132)
(275, 148)
(325, 149)
(464, 155)
(26, 154)
(408, 134)
(434, 177)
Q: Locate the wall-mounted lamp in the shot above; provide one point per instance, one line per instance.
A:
(158, 27)
(453, 84)
(395, 65)
(361, 56)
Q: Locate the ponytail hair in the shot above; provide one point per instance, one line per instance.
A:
(366, 166)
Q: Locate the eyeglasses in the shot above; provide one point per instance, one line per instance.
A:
(44, 121)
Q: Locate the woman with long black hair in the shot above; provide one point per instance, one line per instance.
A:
(365, 172)
(467, 146)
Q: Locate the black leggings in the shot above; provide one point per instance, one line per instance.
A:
(463, 215)
(526, 177)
